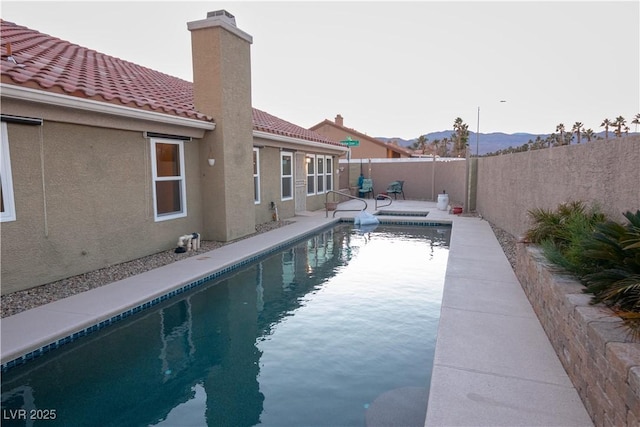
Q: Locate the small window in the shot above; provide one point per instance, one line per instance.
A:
(320, 175)
(169, 189)
(8, 209)
(256, 176)
(329, 173)
(286, 174)
(311, 174)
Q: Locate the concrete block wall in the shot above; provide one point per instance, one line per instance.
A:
(592, 343)
(605, 172)
(422, 182)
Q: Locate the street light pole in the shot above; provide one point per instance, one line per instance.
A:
(478, 132)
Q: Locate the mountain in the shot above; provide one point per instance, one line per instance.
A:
(486, 143)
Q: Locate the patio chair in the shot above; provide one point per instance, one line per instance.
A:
(395, 188)
(367, 188)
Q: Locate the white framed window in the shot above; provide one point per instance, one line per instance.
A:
(329, 173)
(311, 174)
(256, 176)
(169, 186)
(8, 207)
(320, 174)
(286, 175)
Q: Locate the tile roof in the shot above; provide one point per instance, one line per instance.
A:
(392, 147)
(54, 65)
(39, 61)
(272, 124)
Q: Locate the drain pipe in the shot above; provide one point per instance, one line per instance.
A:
(188, 242)
(274, 208)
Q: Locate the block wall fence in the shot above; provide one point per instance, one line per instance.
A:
(605, 172)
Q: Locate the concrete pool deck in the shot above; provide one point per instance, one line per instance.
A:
(493, 363)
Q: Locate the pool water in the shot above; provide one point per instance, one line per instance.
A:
(338, 329)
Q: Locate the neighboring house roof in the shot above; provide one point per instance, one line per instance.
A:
(362, 136)
(38, 61)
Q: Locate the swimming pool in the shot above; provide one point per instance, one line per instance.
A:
(334, 330)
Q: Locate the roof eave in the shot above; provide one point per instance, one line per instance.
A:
(299, 141)
(44, 97)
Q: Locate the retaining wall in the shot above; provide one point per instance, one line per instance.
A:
(590, 340)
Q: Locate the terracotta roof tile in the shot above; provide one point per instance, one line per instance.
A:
(268, 123)
(51, 64)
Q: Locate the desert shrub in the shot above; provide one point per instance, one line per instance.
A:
(562, 233)
(616, 250)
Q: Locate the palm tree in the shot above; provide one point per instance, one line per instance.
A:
(560, 128)
(419, 144)
(461, 137)
(605, 124)
(589, 134)
(577, 128)
(422, 143)
(551, 140)
(444, 149)
(435, 144)
(636, 121)
(619, 123)
(538, 143)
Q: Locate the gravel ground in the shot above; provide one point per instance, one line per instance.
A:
(24, 300)
(508, 243)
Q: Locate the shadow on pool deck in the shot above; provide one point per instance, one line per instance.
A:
(494, 365)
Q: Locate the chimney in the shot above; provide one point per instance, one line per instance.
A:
(221, 55)
(339, 120)
(222, 15)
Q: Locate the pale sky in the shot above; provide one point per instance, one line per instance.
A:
(394, 69)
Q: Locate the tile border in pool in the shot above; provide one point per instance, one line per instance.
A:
(402, 213)
(184, 288)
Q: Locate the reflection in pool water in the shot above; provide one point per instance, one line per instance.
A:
(312, 335)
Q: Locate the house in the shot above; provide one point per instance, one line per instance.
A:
(368, 148)
(105, 161)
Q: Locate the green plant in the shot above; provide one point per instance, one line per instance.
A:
(562, 233)
(616, 250)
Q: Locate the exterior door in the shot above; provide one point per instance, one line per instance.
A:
(300, 179)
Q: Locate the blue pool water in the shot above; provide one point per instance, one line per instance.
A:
(337, 330)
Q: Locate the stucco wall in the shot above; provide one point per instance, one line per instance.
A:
(602, 172)
(95, 207)
(420, 181)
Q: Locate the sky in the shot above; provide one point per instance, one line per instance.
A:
(392, 69)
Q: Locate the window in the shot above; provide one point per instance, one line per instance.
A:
(8, 209)
(169, 189)
(286, 174)
(320, 175)
(311, 174)
(329, 173)
(256, 176)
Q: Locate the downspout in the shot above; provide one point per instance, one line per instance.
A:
(44, 187)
